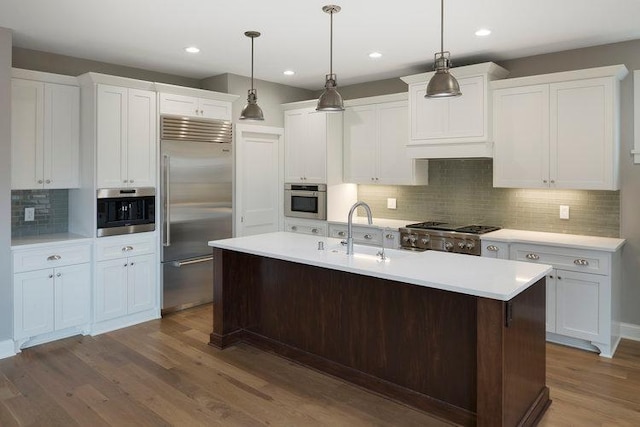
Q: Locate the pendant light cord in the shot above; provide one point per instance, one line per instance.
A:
(252, 63)
(442, 27)
(331, 45)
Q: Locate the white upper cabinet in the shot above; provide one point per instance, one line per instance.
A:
(375, 138)
(453, 127)
(558, 130)
(181, 105)
(126, 137)
(44, 132)
(307, 133)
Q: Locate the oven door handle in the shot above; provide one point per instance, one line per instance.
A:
(165, 201)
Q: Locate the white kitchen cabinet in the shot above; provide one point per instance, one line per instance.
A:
(126, 281)
(306, 226)
(45, 130)
(452, 127)
(182, 105)
(362, 234)
(52, 288)
(558, 130)
(126, 137)
(375, 139)
(305, 141)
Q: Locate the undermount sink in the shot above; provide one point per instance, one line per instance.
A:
(366, 252)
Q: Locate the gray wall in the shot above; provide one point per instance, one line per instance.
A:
(270, 95)
(6, 292)
(71, 66)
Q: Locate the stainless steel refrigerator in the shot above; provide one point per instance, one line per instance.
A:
(196, 191)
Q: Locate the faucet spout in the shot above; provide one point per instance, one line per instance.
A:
(350, 223)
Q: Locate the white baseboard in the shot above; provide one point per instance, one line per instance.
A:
(630, 331)
(7, 349)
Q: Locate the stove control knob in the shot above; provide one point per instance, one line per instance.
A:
(461, 245)
(405, 238)
(448, 246)
(412, 239)
(424, 240)
(470, 245)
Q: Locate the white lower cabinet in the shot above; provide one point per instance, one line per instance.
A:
(126, 286)
(492, 249)
(53, 302)
(312, 227)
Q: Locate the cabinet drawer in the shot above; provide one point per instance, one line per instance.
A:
(319, 229)
(113, 248)
(361, 235)
(563, 258)
(54, 256)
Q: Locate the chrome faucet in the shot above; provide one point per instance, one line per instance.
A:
(350, 223)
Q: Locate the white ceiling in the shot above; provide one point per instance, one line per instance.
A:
(152, 34)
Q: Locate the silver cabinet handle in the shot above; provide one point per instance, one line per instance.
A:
(581, 262)
(532, 256)
(493, 248)
(54, 258)
(341, 233)
(166, 198)
(58, 274)
(314, 230)
(39, 181)
(127, 248)
(50, 276)
(294, 228)
(368, 236)
(191, 261)
(390, 236)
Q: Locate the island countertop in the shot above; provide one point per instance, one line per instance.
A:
(470, 275)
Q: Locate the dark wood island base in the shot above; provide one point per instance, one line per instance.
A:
(467, 359)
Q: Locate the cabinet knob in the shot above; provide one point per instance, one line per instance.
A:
(131, 181)
(59, 274)
(54, 258)
(532, 257)
(553, 181)
(47, 181)
(389, 236)
(51, 276)
(559, 278)
(373, 179)
(294, 228)
(551, 276)
(341, 233)
(493, 248)
(131, 264)
(377, 178)
(314, 230)
(368, 236)
(127, 248)
(581, 262)
(39, 181)
(544, 181)
(125, 264)
(124, 181)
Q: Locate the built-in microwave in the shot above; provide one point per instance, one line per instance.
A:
(125, 210)
(305, 201)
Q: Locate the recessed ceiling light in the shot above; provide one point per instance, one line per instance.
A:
(482, 32)
(192, 49)
(289, 73)
(375, 55)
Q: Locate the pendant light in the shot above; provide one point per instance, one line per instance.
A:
(252, 111)
(442, 84)
(330, 100)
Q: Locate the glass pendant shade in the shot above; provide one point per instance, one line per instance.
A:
(252, 111)
(442, 84)
(330, 100)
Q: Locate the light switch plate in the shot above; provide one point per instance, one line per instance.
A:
(29, 214)
(564, 212)
(391, 203)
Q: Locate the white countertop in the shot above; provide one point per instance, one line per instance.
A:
(378, 222)
(29, 242)
(471, 275)
(608, 244)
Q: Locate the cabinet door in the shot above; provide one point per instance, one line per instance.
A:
(521, 137)
(582, 305)
(179, 105)
(551, 302)
(72, 295)
(111, 136)
(394, 166)
(582, 135)
(141, 283)
(213, 109)
(497, 250)
(295, 131)
(314, 149)
(140, 155)
(110, 297)
(361, 144)
(27, 122)
(61, 136)
(33, 303)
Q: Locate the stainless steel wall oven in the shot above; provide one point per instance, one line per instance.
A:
(305, 201)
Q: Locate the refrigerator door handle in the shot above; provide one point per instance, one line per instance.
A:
(192, 261)
(166, 201)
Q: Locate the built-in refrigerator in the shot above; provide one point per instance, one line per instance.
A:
(196, 206)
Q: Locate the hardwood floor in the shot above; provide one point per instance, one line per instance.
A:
(163, 373)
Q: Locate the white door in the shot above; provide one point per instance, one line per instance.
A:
(259, 185)
(141, 283)
(111, 289)
(61, 136)
(361, 144)
(394, 167)
(27, 122)
(140, 156)
(111, 136)
(33, 303)
(521, 137)
(72, 295)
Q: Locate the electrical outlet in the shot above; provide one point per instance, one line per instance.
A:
(391, 203)
(564, 212)
(29, 214)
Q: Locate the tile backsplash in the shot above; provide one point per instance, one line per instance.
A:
(51, 212)
(461, 191)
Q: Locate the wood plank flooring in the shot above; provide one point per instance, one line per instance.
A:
(163, 373)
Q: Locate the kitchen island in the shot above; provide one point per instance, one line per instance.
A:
(458, 336)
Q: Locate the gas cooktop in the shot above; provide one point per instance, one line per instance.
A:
(445, 226)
